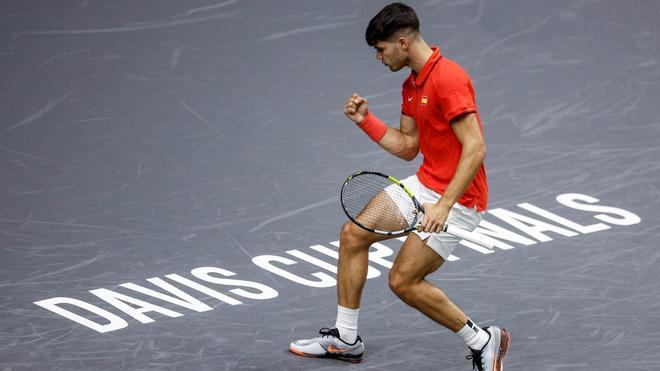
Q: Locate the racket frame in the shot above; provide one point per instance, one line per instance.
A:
(458, 232)
(418, 206)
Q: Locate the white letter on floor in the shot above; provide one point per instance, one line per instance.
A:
(114, 321)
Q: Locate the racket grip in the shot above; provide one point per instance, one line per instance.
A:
(468, 236)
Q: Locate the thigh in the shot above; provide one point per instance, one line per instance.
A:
(373, 216)
(383, 213)
(352, 234)
(416, 260)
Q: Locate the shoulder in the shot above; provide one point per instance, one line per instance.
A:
(449, 70)
(449, 75)
(451, 66)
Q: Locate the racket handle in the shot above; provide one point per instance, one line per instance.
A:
(468, 236)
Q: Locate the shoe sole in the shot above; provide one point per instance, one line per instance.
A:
(505, 341)
(338, 356)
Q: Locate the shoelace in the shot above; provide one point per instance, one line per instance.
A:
(477, 363)
(329, 332)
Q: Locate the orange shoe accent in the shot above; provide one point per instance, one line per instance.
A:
(327, 355)
(505, 341)
(297, 352)
(332, 349)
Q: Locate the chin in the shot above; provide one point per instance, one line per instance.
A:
(395, 68)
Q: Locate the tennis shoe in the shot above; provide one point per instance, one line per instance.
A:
(491, 356)
(329, 345)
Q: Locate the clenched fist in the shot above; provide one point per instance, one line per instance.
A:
(356, 108)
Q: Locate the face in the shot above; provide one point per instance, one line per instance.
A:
(391, 54)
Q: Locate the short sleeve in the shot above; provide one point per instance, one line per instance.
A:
(456, 98)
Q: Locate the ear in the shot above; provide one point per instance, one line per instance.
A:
(403, 42)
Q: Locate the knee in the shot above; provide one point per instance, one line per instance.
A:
(347, 230)
(351, 237)
(400, 285)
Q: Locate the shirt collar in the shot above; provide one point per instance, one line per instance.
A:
(418, 79)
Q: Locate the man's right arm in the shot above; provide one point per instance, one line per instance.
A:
(402, 142)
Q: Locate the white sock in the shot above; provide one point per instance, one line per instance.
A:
(474, 337)
(347, 320)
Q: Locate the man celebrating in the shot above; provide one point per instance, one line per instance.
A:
(439, 117)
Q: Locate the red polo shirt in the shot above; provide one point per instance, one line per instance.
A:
(439, 93)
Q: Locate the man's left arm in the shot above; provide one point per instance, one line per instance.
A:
(473, 153)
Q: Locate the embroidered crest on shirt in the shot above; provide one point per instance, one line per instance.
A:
(425, 101)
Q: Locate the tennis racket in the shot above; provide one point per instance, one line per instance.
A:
(382, 204)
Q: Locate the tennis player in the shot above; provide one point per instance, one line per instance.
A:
(439, 117)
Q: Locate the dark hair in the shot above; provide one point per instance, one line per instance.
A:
(389, 20)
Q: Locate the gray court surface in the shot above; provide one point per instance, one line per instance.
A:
(171, 172)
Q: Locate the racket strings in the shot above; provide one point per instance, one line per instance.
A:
(377, 203)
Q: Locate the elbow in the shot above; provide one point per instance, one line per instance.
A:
(406, 152)
(411, 154)
(481, 152)
(407, 156)
(475, 151)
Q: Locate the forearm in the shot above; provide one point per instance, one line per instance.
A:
(399, 144)
(395, 141)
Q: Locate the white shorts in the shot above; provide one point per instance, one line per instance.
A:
(459, 216)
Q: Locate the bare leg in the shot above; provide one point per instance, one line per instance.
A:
(354, 245)
(407, 280)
